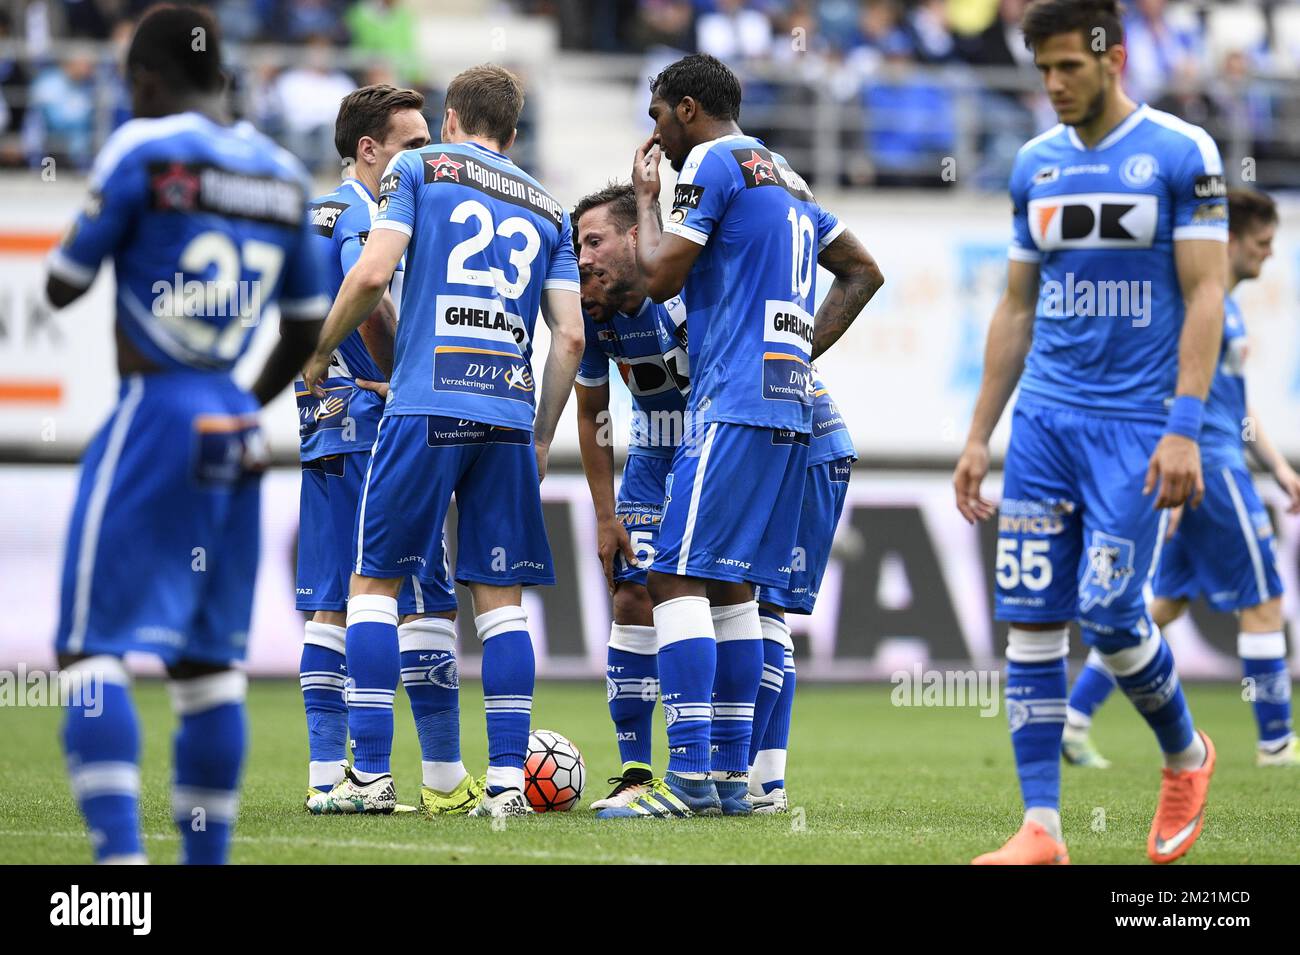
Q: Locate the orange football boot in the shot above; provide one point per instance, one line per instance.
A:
(1032, 845)
(1181, 810)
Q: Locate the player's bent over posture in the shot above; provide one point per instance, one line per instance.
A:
(374, 124)
(486, 246)
(647, 343)
(1224, 550)
(1115, 294)
(744, 237)
(180, 198)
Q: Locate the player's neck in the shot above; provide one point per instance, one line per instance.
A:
(717, 128)
(212, 107)
(632, 302)
(1117, 110)
(366, 175)
(485, 142)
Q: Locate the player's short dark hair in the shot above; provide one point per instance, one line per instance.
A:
(1095, 19)
(1249, 209)
(488, 99)
(621, 200)
(703, 78)
(369, 112)
(182, 45)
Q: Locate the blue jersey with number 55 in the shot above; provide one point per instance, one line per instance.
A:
(750, 294)
(486, 241)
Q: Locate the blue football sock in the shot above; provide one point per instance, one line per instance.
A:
(687, 661)
(1035, 700)
(1263, 663)
(632, 688)
(101, 736)
(374, 668)
(735, 685)
(768, 770)
(1090, 690)
(321, 674)
(1152, 684)
(775, 637)
(432, 683)
(508, 673)
(209, 753)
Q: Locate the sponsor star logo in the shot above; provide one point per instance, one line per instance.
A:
(761, 169)
(444, 167)
(176, 187)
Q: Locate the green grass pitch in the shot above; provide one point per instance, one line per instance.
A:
(868, 782)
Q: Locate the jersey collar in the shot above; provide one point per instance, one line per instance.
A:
(1115, 135)
(360, 189)
(486, 151)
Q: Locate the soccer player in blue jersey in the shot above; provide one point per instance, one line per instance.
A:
(647, 343)
(1223, 550)
(204, 222)
(1110, 323)
(374, 124)
(486, 247)
(743, 240)
(830, 465)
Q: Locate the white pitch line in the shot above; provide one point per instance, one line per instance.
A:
(348, 844)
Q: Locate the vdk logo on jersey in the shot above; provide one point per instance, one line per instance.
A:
(1094, 221)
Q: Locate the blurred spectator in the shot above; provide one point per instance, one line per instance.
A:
(1001, 43)
(114, 94)
(911, 125)
(60, 118)
(1156, 49)
(927, 27)
(734, 31)
(304, 103)
(303, 20)
(666, 23)
(88, 19)
(386, 29)
(879, 28)
(14, 80)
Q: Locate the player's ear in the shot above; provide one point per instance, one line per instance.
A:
(632, 234)
(686, 109)
(450, 124)
(505, 147)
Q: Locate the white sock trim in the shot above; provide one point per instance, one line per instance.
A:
(632, 639)
(683, 618)
(737, 622)
(778, 631)
(1131, 660)
(327, 635)
(444, 777)
(324, 773)
(427, 633)
(499, 621)
(769, 766)
(103, 667)
(219, 805)
(207, 692)
(372, 608)
(1037, 646)
(507, 777)
(1261, 646)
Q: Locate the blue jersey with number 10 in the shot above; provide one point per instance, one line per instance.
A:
(486, 241)
(749, 294)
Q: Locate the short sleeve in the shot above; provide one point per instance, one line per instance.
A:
(397, 189)
(562, 271)
(119, 191)
(351, 234)
(829, 228)
(1199, 191)
(704, 190)
(593, 370)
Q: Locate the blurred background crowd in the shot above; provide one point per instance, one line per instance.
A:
(857, 92)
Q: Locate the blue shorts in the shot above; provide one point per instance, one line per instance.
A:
(1224, 549)
(1077, 539)
(823, 503)
(327, 523)
(640, 506)
(731, 505)
(163, 544)
(418, 462)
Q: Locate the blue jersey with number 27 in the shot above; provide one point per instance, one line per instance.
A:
(486, 241)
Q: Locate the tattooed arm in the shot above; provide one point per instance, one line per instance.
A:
(857, 278)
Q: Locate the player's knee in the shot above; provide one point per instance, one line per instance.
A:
(632, 606)
(1263, 618)
(665, 587)
(378, 586)
(330, 618)
(1125, 651)
(439, 615)
(195, 686)
(1037, 643)
(1165, 610)
(728, 593)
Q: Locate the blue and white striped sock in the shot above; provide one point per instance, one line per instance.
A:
(1145, 672)
(1037, 683)
(776, 636)
(374, 668)
(768, 770)
(1094, 684)
(1263, 663)
(322, 671)
(432, 683)
(508, 674)
(688, 657)
(209, 754)
(101, 736)
(736, 682)
(632, 688)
